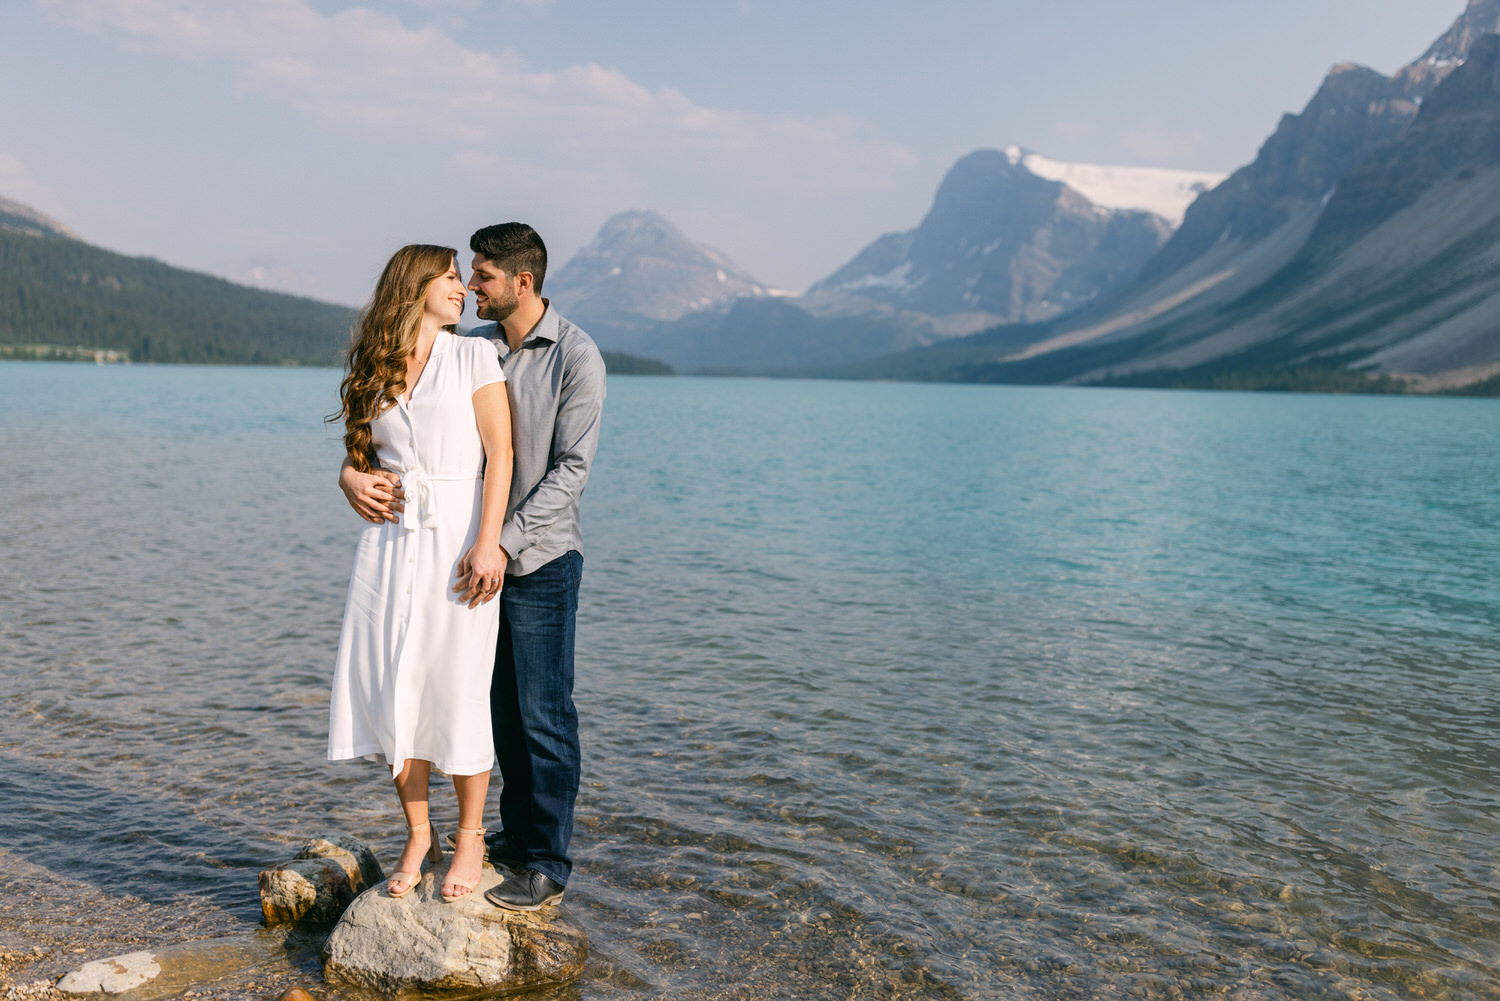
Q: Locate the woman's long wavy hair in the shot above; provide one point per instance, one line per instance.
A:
(382, 342)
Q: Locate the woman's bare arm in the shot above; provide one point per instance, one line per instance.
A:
(485, 562)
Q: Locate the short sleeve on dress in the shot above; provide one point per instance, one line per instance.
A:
(486, 364)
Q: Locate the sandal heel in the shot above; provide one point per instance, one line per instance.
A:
(414, 879)
(467, 885)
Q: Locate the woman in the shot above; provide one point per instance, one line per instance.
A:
(411, 687)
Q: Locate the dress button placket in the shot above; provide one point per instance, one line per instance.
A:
(411, 557)
(413, 538)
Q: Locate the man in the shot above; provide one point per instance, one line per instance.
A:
(555, 378)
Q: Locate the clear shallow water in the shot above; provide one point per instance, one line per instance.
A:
(886, 690)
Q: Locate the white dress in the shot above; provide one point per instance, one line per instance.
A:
(414, 662)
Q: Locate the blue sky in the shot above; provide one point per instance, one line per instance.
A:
(297, 142)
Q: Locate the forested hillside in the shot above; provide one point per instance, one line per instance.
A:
(59, 291)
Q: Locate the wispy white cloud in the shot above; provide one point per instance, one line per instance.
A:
(412, 104)
(363, 69)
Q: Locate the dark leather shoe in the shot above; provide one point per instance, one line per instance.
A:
(528, 890)
(498, 850)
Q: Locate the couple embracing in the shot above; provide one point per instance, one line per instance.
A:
(468, 455)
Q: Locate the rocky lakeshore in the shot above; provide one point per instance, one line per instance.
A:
(52, 922)
(328, 906)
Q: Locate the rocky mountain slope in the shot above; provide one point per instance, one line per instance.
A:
(20, 218)
(640, 271)
(1480, 18)
(1358, 241)
(1401, 274)
(1007, 240)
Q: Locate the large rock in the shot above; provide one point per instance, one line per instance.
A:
(420, 943)
(312, 890)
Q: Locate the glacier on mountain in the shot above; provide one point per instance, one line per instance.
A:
(1163, 191)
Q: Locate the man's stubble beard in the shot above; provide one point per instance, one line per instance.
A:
(497, 310)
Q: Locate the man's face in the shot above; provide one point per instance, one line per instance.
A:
(496, 295)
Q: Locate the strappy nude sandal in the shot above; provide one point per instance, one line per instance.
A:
(414, 879)
(468, 886)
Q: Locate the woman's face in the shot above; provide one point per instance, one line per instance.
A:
(445, 297)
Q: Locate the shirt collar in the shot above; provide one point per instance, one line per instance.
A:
(544, 331)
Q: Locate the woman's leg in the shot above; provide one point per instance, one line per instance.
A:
(411, 787)
(468, 849)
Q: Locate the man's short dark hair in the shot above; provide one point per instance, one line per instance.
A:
(513, 247)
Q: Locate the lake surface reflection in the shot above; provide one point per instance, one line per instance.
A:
(886, 690)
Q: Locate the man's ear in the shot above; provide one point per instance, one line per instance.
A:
(525, 282)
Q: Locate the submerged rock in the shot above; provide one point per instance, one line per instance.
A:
(172, 969)
(312, 890)
(420, 942)
(114, 975)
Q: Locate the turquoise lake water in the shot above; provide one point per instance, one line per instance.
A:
(886, 690)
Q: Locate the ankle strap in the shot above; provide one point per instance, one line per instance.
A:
(478, 832)
(418, 827)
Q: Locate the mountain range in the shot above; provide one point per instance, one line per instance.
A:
(1011, 237)
(1360, 249)
(1353, 252)
(1357, 251)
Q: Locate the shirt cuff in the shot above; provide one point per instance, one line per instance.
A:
(511, 540)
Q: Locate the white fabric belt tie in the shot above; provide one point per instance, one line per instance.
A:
(421, 511)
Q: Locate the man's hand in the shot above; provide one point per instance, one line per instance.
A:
(481, 574)
(376, 496)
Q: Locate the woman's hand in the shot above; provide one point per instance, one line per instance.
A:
(375, 496)
(481, 574)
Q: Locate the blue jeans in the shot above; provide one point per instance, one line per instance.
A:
(532, 713)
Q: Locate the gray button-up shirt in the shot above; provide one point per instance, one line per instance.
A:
(555, 381)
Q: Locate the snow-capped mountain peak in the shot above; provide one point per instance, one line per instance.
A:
(1164, 191)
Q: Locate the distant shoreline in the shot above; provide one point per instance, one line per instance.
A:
(619, 363)
(58, 352)
(615, 362)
